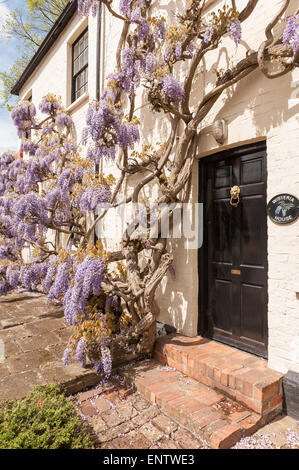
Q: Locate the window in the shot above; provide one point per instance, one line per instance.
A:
(28, 133)
(80, 66)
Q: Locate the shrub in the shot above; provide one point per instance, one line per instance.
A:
(45, 419)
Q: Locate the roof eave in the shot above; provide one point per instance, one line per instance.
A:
(45, 46)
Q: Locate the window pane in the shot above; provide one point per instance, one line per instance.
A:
(76, 68)
(85, 57)
(80, 62)
(86, 76)
(80, 66)
(81, 45)
(76, 50)
(85, 39)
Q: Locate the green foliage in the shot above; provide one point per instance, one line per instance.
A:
(43, 420)
(28, 26)
(10, 77)
(46, 11)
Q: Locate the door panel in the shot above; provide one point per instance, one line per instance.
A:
(252, 231)
(234, 252)
(223, 305)
(252, 300)
(222, 235)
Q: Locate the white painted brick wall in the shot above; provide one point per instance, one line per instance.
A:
(254, 108)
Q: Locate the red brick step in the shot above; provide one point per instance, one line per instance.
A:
(210, 416)
(239, 375)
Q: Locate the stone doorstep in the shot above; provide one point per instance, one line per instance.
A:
(237, 374)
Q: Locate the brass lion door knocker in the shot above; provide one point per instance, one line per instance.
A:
(235, 196)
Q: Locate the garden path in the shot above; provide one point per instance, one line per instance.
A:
(33, 337)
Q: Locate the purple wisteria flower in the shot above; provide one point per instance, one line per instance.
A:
(84, 7)
(135, 15)
(29, 147)
(92, 196)
(173, 89)
(49, 105)
(159, 31)
(49, 276)
(61, 282)
(178, 50)
(63, 120)
(150, 63)
(101, 151)
(31, 207)
(30, 276)
(12, 276)
(128, 134)
(106, 361)
(81, 352)
(142, 29)
(125, 7)
(23, 117)
(66, 358)
(105, 121)
(234, 30)
(87, 280)
(291, 32)
(171, 269)
(130, 76)
(190, 48)
(208, 35)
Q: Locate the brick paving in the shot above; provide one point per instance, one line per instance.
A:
(130, 421)
(176, 412)
(34, 337)
(207, 413)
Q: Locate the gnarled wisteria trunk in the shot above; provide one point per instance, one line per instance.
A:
(48, 201)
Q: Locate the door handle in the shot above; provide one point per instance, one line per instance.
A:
(234, 196)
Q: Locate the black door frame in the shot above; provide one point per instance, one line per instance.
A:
(203, 253)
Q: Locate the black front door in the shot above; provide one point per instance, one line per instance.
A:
(234, 253)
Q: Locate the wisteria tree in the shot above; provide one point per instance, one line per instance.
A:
(51, 202)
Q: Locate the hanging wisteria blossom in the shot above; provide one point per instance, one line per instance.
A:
(291, 32)
(234, 30)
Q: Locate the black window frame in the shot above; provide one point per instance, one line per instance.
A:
(85, 66)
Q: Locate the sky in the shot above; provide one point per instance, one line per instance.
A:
(8, 53)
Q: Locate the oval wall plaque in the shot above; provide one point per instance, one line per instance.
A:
(283, 209)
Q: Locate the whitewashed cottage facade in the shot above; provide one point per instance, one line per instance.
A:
(248, 281)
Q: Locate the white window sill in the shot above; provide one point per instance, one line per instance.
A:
(83, 98)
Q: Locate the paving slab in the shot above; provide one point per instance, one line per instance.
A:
(33, 336)
(282, 433)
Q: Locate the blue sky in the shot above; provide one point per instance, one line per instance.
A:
(8, 53)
